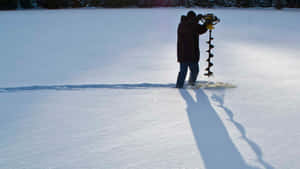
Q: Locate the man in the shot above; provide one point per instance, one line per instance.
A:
(188, 54)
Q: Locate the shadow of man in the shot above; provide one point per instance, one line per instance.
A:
(214, 143)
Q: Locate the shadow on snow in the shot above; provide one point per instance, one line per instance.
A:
(86, 86)
(214, 143)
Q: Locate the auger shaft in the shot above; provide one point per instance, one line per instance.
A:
(210, 55)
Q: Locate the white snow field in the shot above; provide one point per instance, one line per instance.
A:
(94, 89)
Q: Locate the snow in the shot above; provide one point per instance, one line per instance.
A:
(93, 88)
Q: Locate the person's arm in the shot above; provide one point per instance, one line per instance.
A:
(201, 29)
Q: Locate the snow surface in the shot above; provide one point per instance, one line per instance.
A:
(93, 88)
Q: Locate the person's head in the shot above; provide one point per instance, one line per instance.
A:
(191, 15)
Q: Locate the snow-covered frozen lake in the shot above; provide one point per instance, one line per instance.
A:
(93, 88)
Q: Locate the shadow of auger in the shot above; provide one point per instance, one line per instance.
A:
(86, 86)
(259, 154)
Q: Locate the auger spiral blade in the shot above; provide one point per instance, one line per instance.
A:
(210, 55)
(208, 74)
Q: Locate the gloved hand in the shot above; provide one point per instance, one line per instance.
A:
(199, 17)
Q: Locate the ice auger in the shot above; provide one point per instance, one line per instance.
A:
(210, 20)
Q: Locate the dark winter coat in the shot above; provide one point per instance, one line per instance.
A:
(188, 40)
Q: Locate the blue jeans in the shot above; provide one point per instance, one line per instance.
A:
(194, 68)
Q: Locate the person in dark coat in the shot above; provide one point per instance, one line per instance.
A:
(188, 53)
